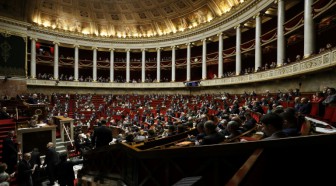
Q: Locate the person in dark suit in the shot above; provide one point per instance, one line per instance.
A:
(272, 126)
(32, 99)
(35, 160)
(212, 136)
(102, 135)
(66, 174)
(4, 114)
(51, 161)
(25, 171)
(9, 152)
(305, 106)
(82, 144)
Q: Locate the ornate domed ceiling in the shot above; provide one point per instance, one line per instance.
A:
(118, 18)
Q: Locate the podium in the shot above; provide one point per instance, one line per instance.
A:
(65, 123)
(36, 137)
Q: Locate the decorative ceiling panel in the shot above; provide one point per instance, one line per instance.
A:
(122, 18)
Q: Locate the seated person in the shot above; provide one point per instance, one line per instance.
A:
(34, 121)
(234, 129)
(249, 123)
(4, 114)
(331, 97)
(272, 126)
(83, 144)
(212, 136)
(290, 126)
(33, 99)
(305, 106)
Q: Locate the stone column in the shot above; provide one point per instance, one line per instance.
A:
(220, 55)
(128, 64)
(143, 65)
(173, 64)
(158, 62)
(188, 61)
(94, 73)
(238, 50)
(204, 53)
(309, 40)
(56, 76)
(281, 33)
(76, 63)
(258, 51)
(112, 65)
(33, 58)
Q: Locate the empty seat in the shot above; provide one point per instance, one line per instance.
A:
(328, 114)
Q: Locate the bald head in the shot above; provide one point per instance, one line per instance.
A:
(50, 145)
(26, 156)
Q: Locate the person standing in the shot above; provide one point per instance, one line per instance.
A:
(36, 161)
(66, 174)
(25, 171)
(102, 135)
(50, 162)
(9, 152)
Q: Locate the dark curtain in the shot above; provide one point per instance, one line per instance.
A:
(12, 55)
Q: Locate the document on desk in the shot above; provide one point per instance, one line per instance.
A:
(321, 126)
(325, 130)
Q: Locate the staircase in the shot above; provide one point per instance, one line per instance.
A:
(60, 146)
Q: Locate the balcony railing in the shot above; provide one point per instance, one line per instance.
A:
(314, 63)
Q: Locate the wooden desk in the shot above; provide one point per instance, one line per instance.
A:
(36, 137)
(67, 122)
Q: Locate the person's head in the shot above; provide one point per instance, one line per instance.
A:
(11, 133)
(304, 100)
(50, 145)
(35, 150)
(223, 124)
(232, 127)
(3, 167)
(297, 99)
(331, 91)
(271, 122)
(278, 109)
(237, 119)
(103, 122)
(291, 110)
(290, 120)
(4, 109)
(26, 156)
(209, 127)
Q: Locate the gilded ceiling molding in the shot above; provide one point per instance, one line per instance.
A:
(222, 23)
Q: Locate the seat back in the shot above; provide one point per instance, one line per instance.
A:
(328, 114)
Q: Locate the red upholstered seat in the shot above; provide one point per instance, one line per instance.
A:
(314, 110)
(333, 118)
(328, 114)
